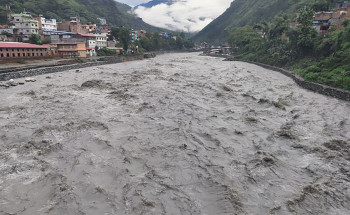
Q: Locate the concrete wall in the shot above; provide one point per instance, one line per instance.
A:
(13, 74)
(318, 88)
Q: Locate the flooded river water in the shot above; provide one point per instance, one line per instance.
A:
(177, 134)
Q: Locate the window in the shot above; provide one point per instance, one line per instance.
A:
(1, 50)
(7, 49)
(41, 54)
(22, 49)
(33, 54)
(2, 55)
(24, 54)
(28, 54)
(8, 55)
(27, 30)
(18, 50)
(13, 50)
(37, 54)
(13, 55)
(19, 54)
(27, 24)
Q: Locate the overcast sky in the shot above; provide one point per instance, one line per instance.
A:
(184, 15)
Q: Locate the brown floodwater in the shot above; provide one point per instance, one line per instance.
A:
(177, 134)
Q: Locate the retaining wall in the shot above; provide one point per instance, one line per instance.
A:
(13, 74)
(319, 88)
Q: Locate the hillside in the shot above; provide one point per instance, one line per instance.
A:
(88, 10)
(247, 12)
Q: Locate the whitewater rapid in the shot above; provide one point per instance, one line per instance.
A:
(177, 134)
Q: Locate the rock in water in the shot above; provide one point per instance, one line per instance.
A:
(30, 80)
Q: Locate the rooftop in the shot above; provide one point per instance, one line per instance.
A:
(21, 45)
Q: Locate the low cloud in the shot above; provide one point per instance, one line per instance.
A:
(133, 2)
(183, 15)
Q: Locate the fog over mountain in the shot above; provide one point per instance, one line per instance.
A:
(181, 15)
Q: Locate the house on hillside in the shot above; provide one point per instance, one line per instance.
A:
(73, 25)
(339, 15)
(23, 26)
(322, 21)
(46, 24)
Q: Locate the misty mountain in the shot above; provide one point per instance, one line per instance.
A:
(248, 12)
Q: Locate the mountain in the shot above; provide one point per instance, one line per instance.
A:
(117, 14)
(248, 12)
(154, 3)
(181, 15)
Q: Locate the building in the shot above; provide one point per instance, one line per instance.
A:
(74, 25)
(46, 24)
(339, 15)
(15, 50)
(6, 34)
(322, 21)
(24, 26)
(71, 49)
(101, 40)
(137, 34)
(90, 43)
(89, 28)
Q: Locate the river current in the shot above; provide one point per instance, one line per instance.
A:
(177, 134)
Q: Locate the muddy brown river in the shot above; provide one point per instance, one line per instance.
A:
(177, 134)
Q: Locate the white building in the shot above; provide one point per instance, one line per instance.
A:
(47, 24)
(24, 25)
(101, 40)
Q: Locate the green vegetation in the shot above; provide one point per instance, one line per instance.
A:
(316, 57)
(151, 41)
(250, 12)
(88, 10)
(106, 52)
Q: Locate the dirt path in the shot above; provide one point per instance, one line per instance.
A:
(177, 134)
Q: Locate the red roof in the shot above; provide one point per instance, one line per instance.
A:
(90, 48)
(21, 45)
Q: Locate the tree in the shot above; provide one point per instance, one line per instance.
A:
(189, 44)
(34, 39)
(179, 43)
(115, 32)
(124, 36)
(307, 33)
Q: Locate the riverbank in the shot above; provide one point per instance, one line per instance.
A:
(313, 86)
(13, 73)
(176, 134)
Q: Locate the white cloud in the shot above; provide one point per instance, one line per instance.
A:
(132, 2)
(184, 15)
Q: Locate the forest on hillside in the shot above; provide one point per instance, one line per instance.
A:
(88, 11)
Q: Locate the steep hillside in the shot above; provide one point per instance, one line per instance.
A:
(88, 10)
(246, 12)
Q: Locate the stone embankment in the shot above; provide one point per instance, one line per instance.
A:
(318, 88)
(6, 75)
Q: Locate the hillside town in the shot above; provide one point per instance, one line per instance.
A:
(26, 37)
